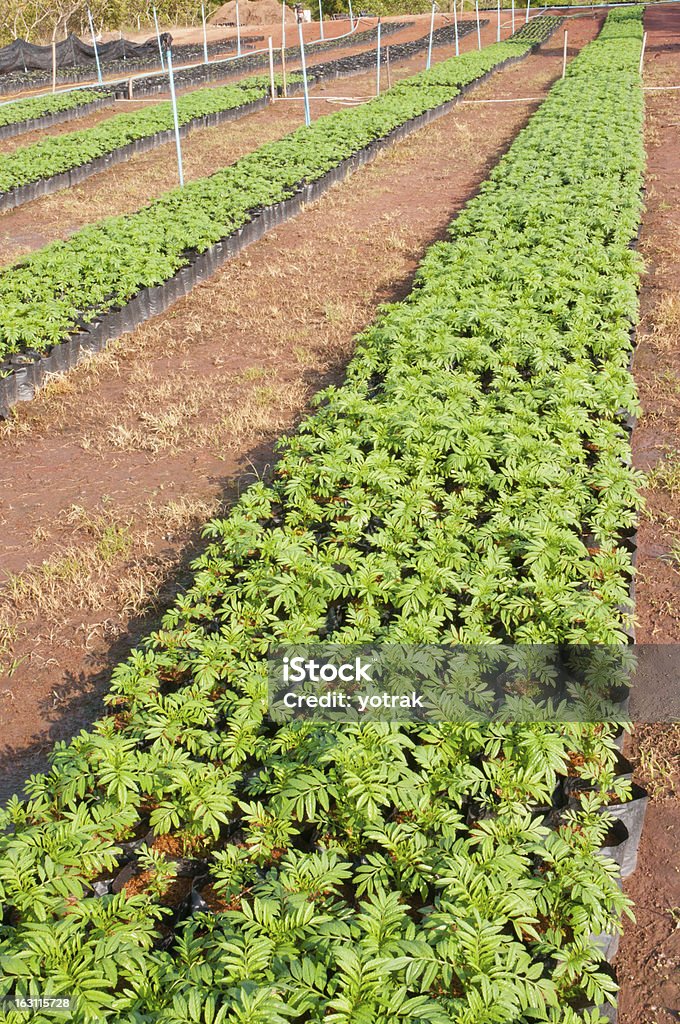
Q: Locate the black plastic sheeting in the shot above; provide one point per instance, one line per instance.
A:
(72, 51)
(44, 187)
(58, 117)
(13, 81)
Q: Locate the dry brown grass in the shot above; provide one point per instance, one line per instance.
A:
(113, 561)
(665, 322)
(658, 758)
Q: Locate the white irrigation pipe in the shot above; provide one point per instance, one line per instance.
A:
(377, 64)
(308, 116)
(175, 118)
(455, 28)
(642, 52)
(429, 45)
(479, 35)
(238, 32)
(158, 37)
(94, 43)
(272, 81)
(516, 99)
(206, 58)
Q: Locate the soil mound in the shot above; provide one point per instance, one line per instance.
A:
(251, 12)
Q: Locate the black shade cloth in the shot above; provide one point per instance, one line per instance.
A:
(72, 52)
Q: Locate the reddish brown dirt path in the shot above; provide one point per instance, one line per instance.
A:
(101, 474)
(135, 183)
(648, 962)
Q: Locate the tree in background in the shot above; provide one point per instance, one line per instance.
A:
(41, 21)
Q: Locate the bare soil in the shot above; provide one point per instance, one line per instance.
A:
(648, 962)
(106, 475)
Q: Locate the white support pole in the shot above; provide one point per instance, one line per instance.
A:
(429, 45)
(238, 32)
(455, 29)
(389, 72)
(498, 26)
(479, 32)
(272, 81)
(320, 21)
(94, 43)
(303, 65)
(175, 118)
(642, 52)
(158, 37)
(513, 17)
(564, 56)
(377, 62)
(351, 16)
(527, 14)
(284, 89)
(206, 58)
(54, 64)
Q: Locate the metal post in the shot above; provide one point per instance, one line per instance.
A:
(175, 118)
(54, 64)
(429, 45)
(527, 15)
(642, 52)
(96, 51)
(389, 73)
(158, 37)
(320, 21)
(498, 29)
(308, 116)
(206, 58)
(564, 55)
(455, 28)
(377, 63)
(479, 32)
(513, 17)
(351, 17)
(238, 32)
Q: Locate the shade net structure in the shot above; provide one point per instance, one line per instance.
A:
(73, 52)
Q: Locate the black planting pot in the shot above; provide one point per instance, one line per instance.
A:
(607, 945)
(607, 1010)
(575, 785)
(632, 815)
(615, 842)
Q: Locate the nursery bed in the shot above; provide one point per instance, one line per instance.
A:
(25, 374)
(489, 850)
